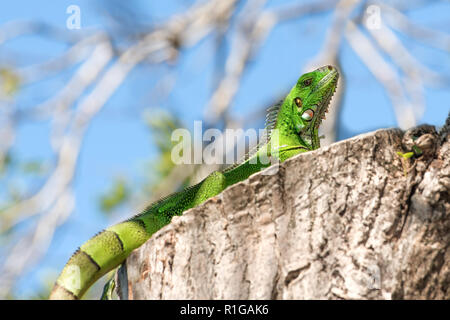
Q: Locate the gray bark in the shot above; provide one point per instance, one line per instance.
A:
(348, 221)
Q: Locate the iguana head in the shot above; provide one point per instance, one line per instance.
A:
(309, 101)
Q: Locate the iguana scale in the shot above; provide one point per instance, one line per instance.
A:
(295, 121)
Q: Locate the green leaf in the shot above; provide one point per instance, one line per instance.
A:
(9, 81)
(115, 197)
(406, 155)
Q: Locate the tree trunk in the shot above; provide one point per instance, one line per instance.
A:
(353, 220)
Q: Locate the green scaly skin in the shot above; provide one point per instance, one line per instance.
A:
(295, 122)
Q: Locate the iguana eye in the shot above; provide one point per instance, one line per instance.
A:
(308, 115)
(307, 82)
(298, 102)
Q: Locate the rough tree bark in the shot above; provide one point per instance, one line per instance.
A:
(348, 221)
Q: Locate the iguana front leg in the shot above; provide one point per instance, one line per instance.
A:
(284, 152)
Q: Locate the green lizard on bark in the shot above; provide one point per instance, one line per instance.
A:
(291, 128)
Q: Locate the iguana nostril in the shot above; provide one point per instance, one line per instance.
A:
(330, 68)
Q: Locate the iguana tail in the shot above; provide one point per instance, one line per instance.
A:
(99, 255)
(111, 247)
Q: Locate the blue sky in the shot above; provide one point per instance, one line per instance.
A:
(118, 143)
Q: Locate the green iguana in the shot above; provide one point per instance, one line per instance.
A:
(295, 122)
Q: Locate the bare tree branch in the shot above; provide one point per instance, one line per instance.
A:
(432, 37)
(384, 74)
(329, 55)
